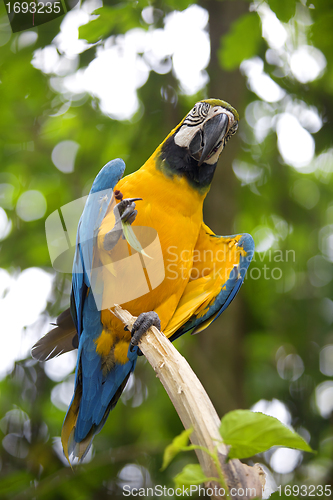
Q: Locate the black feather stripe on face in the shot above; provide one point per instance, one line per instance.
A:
(197, 114)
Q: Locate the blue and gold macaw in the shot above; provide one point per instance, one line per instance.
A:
(202, 271)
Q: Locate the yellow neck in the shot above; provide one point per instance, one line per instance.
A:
(173, 186)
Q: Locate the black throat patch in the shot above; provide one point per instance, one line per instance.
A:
(175, 160)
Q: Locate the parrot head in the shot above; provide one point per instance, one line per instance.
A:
(193, 148)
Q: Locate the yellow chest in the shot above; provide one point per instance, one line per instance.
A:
(171, 212)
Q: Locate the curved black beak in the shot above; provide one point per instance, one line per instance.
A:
(213, 133)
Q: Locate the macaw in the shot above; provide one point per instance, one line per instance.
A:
(201, 272)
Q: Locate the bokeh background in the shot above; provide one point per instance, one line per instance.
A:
(87, 88)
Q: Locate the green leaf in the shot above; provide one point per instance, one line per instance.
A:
(241, 42)
(178, 4)
(122, 16)
(284, 9)
(321, 34)
(14, 483)
(250, 433)
(98, 28)
(178, 444)
(132, 239)
(191, 474)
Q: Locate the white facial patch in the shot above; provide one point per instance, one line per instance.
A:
(184, 136)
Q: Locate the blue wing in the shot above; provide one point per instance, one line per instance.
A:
(92, 216)
(96, 393)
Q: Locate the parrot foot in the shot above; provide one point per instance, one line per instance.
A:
(142, 324)
(124, 212)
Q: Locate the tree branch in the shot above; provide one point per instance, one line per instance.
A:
(196, 410)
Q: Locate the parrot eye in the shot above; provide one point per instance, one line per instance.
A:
(233, 129)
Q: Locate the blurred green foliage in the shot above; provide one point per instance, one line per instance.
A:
(270, 341)
(241, 42)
